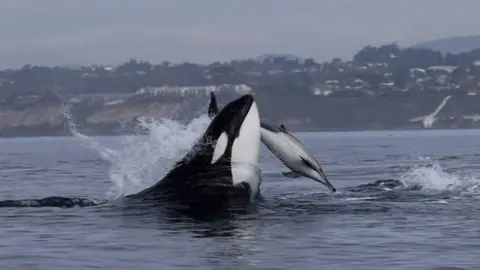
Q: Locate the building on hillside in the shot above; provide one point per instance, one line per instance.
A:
(194, 90)
(100, 98)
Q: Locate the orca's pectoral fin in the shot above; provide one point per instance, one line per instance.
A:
(292, 174)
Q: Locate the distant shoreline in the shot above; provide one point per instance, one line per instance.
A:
(381, 88)
(395, 111)
(292, 131)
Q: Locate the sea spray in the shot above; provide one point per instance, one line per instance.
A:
(433, 178)
(142, 160)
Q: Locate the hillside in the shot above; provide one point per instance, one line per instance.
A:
(452, 44)
(386, 87)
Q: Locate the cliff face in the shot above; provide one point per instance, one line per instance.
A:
(40, 118)
(393, 111)
(120, 113)
(36, 120)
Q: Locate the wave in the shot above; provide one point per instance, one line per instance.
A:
(434, 178)
(141, 160)
(429, 179)
(431, 184)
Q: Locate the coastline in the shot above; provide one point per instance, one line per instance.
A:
(96, 135)
(297, 113)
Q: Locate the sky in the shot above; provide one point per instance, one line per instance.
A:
(204, 31)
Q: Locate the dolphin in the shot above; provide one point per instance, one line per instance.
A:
(293, 154)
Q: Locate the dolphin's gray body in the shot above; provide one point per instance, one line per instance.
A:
(293, 154)
(288, 149)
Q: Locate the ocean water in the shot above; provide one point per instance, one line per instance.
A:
(405, 200)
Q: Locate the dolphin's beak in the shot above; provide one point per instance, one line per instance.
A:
(324, 180)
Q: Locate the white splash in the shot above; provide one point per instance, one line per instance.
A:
(142, 161)
(434, 179)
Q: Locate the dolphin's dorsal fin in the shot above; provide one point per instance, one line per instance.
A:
(309, 164)
(212, 108)
(268, 127)
(282, 128)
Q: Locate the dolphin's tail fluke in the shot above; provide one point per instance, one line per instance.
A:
(212, 108)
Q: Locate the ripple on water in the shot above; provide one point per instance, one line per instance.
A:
(394, 209)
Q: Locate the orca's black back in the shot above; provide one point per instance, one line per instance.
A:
(210, 188)
(196, 183)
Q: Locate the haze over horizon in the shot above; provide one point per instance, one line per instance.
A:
(56, 32)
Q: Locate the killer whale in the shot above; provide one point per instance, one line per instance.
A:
(288, 149)
(221, 168)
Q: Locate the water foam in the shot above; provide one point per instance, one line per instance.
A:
(433, 178)
(142, 160)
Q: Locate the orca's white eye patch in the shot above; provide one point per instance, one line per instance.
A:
(220, 147)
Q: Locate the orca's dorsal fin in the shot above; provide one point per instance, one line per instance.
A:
(282, 128)
(212, 108)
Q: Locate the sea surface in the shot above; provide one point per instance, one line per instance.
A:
(405, 200)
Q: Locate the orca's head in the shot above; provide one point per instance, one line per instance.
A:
(235, 131)
(233, 136)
